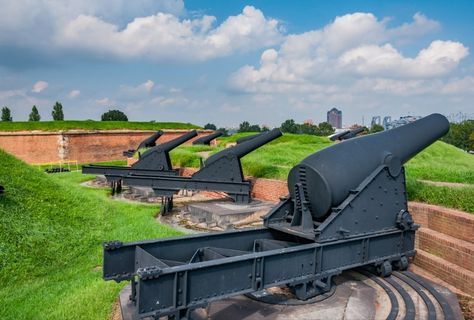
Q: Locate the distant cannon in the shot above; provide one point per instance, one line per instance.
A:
(154, 161)
(347, 208)
(220, 172)
(147, 143)
(247, 138)
(206, 140)
(346, 134)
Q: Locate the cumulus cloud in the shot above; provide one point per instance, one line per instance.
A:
(74, 94)
(104, 101)
(352, 46)
(39, 86)
(164, 36)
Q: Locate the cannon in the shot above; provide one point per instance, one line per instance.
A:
(346, 208)
(220, 172)
(154, 161)
(247, 138)
(346, 134)
(206, 140)
(147, 143)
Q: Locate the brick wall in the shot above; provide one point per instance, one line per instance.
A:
(80, 145)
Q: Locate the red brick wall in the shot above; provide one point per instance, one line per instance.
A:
(80, 145)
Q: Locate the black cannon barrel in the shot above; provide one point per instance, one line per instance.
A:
(151, 140)
(351, 134)
(247, 138)
(338, 135)
(207, 139)
(329, 175)
(242, 149)
(170, 145)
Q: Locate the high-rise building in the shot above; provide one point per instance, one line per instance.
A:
(335, 118)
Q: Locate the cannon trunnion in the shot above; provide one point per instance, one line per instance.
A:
(347, 208)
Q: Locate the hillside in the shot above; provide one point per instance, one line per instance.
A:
(51, 234)
(439, 162)
(91, 125)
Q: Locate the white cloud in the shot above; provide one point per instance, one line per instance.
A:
(74, 94)
(39, 86)
(104, 101)
(164, 36)
(356, 45)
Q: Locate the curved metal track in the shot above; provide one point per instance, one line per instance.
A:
(422, 287)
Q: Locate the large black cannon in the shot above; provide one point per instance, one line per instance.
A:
(220, 172)
(154, 161)
(347, 208)
(147, 143)
(206, 140)
(247, 138)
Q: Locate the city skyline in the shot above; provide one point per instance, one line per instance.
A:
(224, 63)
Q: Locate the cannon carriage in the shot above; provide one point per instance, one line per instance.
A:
(346, 209)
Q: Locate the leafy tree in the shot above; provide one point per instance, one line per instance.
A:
(57, 113)
(114, 115)
(224, 131)
(289, 126)
(471, 141)
(34, 115)
(376, 128)
(6, 114)
(247, 127)
(265, 128)
(307, 128)
(325, 129)
(459, 134)
(210, 126)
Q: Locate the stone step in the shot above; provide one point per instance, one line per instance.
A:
(456, 251)
(451, 273)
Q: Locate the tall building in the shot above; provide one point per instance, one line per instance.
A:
(335, 118)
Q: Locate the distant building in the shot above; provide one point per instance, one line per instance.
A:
(308, 122)
(334, 117)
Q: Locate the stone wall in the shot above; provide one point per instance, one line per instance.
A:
(81, 145)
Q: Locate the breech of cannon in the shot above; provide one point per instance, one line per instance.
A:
(328, 176)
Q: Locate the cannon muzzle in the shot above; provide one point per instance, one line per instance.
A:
(170, 145)
(150, 141)
(207, 139)
(329, 175)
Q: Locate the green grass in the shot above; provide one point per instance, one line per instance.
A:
(51, 234)
(458, 198)
(91, 125)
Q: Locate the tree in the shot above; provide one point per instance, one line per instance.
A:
(265, 128)
(210, 126)
(34, 115)
(307, 128)
(247, 127)
(57, 113)
(289, 126)
(471, 141)
(6, 114)
(459, 134)
(376, 128)
(224, 131)
(114, 115)
(325, 129)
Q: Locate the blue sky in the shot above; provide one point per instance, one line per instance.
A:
(229, 61)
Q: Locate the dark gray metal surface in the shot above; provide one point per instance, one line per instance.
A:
(206, 140)
(247, 138)
(220, 172)
(304, 243)
(147, 143)
(333, 172)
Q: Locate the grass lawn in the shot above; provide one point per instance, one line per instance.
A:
(438, 162)
(51, 234)
(91, 125)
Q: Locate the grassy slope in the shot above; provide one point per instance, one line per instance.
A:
(439, 162)
(51, 231)
(91, 125)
